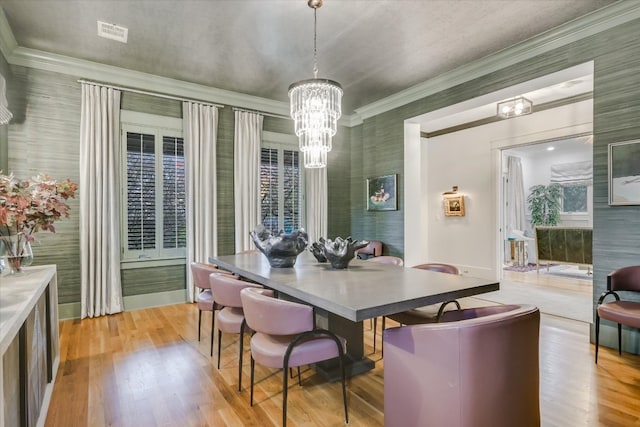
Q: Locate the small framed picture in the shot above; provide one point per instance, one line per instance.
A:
(454, 206)
(624, 173)
(381, 193)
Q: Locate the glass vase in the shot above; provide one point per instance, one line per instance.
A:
(17, 252)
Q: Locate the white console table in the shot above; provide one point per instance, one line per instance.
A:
(29, 345)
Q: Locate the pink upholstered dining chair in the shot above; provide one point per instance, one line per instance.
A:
(478, 368)
(428, 314)
(385, 259)
(286, 337)
(619, 311)
(231, 315)
(373, 249)
(205, 300)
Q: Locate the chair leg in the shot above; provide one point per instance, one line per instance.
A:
(344, 385)
(619, 339)
(375, 327)
(199, 322)
(597, 336)
(299, 377)
(213, 328)
(253, 365)
(240, 357)
(285, 386)
(384, 325)
(219, 346)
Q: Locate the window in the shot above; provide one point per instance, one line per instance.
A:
(574, 199)
(280, 184)
(154, 208)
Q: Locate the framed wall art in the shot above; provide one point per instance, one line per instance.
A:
(381, 193)
(624, 173)
(454, 205)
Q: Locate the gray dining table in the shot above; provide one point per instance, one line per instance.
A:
(344, 298)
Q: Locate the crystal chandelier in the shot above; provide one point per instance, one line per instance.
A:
(315, 108)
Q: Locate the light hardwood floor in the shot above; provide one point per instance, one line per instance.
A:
(147, 368)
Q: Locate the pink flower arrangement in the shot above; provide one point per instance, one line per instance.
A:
(29, 206)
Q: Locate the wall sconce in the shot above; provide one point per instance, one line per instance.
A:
(518, 106)
(454, 190)
(453, 202)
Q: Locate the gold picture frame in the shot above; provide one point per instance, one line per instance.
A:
(454, 206)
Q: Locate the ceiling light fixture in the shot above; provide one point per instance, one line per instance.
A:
(315, 108)
(518, 106)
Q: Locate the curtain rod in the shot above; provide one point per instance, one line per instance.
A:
(144, 92)
(277, 116)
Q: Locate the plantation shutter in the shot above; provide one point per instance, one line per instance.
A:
(269, 188)
(174, 212)
(291, 191)
(141, 191)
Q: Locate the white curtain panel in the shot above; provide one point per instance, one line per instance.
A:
(100, 286)
(316, 203)
(516, 202)
(200, 128)
(246, 176)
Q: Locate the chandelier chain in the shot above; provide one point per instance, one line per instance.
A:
(315, 58)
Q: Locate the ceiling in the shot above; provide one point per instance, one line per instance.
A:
(374, 48)
(561, 147)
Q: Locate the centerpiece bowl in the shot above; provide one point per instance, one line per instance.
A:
(281, 249)
(340, 252)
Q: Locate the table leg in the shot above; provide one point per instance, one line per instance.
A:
(356, 362)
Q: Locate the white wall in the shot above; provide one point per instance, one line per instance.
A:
(470, 159)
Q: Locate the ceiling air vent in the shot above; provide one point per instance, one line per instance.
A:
(113, 32)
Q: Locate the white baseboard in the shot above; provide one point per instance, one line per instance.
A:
(132, 302)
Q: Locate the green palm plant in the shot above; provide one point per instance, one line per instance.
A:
(544, 204)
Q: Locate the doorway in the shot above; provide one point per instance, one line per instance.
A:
(566, 165)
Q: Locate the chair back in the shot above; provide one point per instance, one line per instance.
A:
(273, 316)
(387, 259)
(441, 268)
(227, 289)
(482, 371)
(624, 279)
(374, 248)
(200, 272)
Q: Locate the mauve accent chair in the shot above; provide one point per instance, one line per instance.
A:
(619, 311)
(373, 249)
(286, 337)
(231, 315)
(478, 368)
(205, 300)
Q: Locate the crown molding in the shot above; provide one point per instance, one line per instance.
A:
(586, 26)
(7, 40)
(598, 21)
(98, 72)
(47, 61)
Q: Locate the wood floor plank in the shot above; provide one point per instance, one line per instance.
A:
(147, 368)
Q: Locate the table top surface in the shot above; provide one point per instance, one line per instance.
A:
(362, 291)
